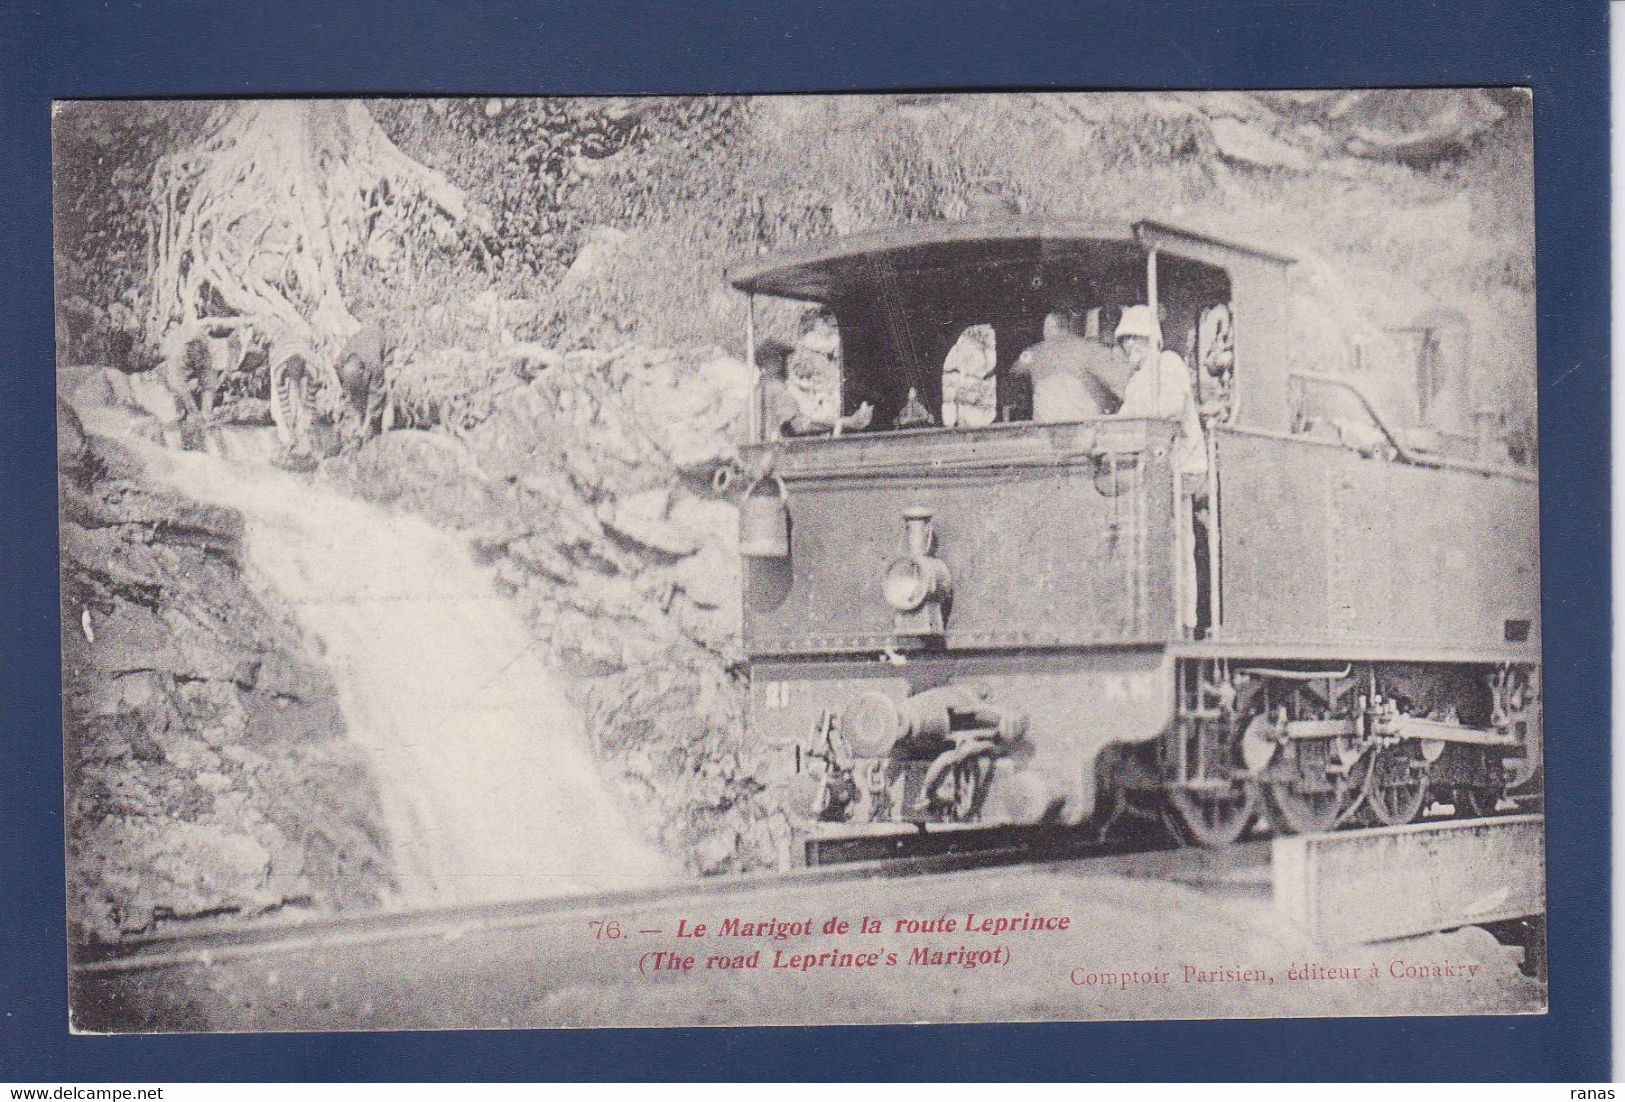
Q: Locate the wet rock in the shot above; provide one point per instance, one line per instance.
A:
(428, 472)
(71, 445)
(130, 640)
(199, 653)
(212, 781)
(144, 747)
(141, 691)
(710, 521)
(95, 385)
(287, 872)
(710, 578)
(243, 758)
(188, 754)
(178, 869)
(709, 628)
(540, 556)
(170, 668)
(580, 638)
(641, 518)
(715, 853)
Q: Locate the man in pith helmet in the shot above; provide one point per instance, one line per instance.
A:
(1160, 388)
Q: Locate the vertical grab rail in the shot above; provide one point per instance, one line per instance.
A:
(756, 428)
(1215, 603)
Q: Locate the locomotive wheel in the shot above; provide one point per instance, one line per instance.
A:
(1214, 813)
(1475, 803)
(1296, 808)
(1397, 789)
(1300, 812)
(971, 780)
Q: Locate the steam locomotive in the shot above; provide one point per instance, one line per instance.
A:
(982, 618)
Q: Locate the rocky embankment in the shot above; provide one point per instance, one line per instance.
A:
(207, 766)
(585, 482)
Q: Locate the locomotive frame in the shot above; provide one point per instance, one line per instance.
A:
(986, 624)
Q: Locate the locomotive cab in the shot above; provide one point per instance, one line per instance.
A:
(928, 312)
(968, 615)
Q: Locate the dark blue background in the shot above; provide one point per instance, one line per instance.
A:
(216, 48)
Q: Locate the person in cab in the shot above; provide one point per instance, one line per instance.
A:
(790, 407)
(1068, 372)
(1160, 388)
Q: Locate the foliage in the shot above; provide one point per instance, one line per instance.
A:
(660, 196)
(263, 220)
(615, 219)
(103, 155)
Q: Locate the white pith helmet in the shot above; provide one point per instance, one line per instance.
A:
(1137, 321)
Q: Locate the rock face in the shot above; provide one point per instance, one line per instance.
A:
(207, 770)
(588, 490)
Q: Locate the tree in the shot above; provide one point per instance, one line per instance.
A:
(259, 222)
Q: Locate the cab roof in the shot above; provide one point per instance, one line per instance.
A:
(829, 270)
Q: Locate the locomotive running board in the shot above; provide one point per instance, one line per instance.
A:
(1376, 885)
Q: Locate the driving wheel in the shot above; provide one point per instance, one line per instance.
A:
(1302, 810)
(1397, 788)
(1214, 812)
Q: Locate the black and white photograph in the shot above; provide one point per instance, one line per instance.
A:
(585, 562)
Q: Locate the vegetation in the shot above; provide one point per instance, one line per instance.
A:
(597, 220)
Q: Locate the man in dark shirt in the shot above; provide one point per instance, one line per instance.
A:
(782, 414)
(362, 378)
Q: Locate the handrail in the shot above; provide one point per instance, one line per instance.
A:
(991, 431)
(1400, 450)
(1096, 440)
(1442, 463)
(926, 468)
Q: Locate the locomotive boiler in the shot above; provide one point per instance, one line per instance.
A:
(980, 617)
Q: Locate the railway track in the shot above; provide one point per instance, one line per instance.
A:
(827, 859)
(586, 960)
(831, 861)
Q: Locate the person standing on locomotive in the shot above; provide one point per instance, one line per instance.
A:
(1160, 387)
(786, 409)
(1067, 372)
